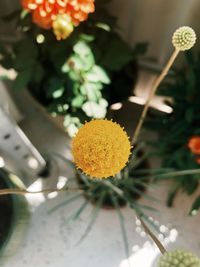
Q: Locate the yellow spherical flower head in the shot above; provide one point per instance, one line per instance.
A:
(101, 148)
(184, 38)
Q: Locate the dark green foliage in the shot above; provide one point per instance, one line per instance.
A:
(177, 128)
(78, 77)
(130, 181)
(195, 206)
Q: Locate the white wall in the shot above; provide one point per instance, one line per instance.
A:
(145, 20)
(155, 21)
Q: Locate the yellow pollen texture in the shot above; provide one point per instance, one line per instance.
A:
(101, 148)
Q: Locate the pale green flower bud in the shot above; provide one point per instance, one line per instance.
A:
(179, 258)
(184, 38)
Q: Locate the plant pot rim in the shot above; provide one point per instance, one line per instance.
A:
(20, 214)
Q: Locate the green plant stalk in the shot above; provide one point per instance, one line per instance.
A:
(152, 93)
(176, 174)
(122, 224)
(64, 203)
(77, 214)
(94, 215)
(114, 188)
(11, 191)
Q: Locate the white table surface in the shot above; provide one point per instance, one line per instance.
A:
(50, 241)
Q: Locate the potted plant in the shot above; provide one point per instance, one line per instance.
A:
(75, 70)
(179, 132)
(107, 157)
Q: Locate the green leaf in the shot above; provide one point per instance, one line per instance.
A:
(190, 185)
(91, 77)
(91, 95)
(101, 74)
(64, 203)
(4, 78)
(78, 101)
(189, 114)
(83, 58)
(122, 224)
(72, 124)
(80, 210)
(77, 214)
(7, 59)
(26, 53)
(97, 75)
(87, 37)
(94, 110)
(88, 62)
(58, 93)
(195, 206)
(94, 215)
(53, 84)
(103, 103)
(173, 192)
(72, 129)
(117, 54)
(22, 79)
(24, 13)
(68, 120)
(74, 75)
(65, 68)
(76, 62)
(38, 73)
(91, 90)
(82, 49)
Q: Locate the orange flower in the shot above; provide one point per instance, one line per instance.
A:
(194, 145)
(45, 11)
(198, 160)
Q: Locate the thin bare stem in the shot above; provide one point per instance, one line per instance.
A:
(155, 239)
(114, 188)
(13, 191)
(152, 93)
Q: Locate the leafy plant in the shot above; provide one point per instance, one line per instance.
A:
(176, 129)
(77, 78)
(115, 192)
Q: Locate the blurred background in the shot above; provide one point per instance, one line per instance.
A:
(138, 22)
(44, 99)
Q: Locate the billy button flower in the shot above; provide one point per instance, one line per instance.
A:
(184, 38)
(179, 258)
(101, 148)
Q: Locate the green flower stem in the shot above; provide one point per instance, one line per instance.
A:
(152, 93)
(176, 174)
(147, 230)
(114, 188)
